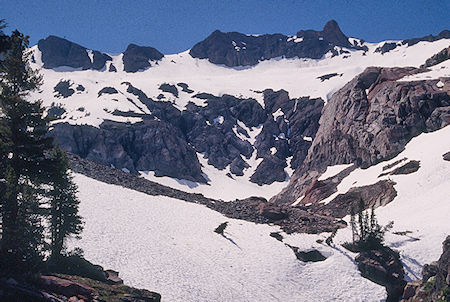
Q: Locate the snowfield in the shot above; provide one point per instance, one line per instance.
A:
(168, 245)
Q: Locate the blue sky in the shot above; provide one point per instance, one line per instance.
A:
(174, 26)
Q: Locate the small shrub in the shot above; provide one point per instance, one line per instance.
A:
(367, 233)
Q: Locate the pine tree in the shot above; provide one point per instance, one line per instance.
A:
(24, 167)
(64, 219)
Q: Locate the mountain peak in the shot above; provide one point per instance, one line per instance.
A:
(332, 33)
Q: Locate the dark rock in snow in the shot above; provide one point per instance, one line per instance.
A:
(328, 76)
(185, 87)
(58, 52)
(136, 57)
(438, 58)
(408, 168)
(446, 156)
(80, 88)
(277, 236)
(169, 88)
(112, 68)
(271, 169)
(386, 47)
(307, 256)
(107, 90)
(63, 89)
(238, 165)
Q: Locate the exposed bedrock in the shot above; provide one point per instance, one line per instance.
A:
(369, 120)
(237, 49)
(219, 130)
(147, 146)
(137, 58)
(58, 52)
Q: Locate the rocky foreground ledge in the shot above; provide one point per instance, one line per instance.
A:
(60, 287)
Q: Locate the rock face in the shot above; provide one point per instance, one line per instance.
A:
(58, 52)
(147, 146)
(383, 266)
(167, 140)
(369, 120)
(137, 57)
(236, 49)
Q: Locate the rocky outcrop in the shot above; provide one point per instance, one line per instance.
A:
(235, 49)
(445, 34)
(63, 89)
(107, 90)
(59, 287)
(435, 283)
(408, 168)
(438, 58)
(369, 120)
(169, 88)
(137, 58)
(446, 156)
(147, 146)
(58, 52)
(375, 195)
(386, 47)
(383, 266)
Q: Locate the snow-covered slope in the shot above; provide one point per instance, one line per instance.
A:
(169, 245)
(297, 76)
(422, 206)
(300, 77)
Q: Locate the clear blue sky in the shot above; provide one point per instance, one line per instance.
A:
(174, 26)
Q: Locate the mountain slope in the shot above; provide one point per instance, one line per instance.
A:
(182, 258)
(192, 140)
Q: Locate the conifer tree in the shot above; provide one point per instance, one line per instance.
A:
(24, 167)
(64, 219)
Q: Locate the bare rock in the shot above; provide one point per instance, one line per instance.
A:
(446, 156)
(136, 57)
(272, 211)
(58, 52)
(383, 266)
(65, 287)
